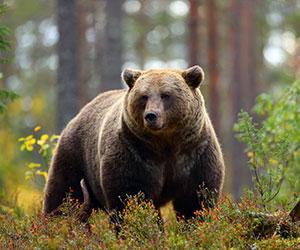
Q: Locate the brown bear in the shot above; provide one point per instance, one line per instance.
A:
(155, 137)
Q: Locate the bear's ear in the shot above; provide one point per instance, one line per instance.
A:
(193, 76)
(129, 76)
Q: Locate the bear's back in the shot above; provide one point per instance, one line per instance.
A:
(83, 130)
(93, 113)
(91, 117)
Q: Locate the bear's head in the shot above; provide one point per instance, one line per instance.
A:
(159, 100)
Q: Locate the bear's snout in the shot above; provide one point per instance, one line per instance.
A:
(153, 120)
(151, 117)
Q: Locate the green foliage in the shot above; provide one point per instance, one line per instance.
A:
(228, 225)
(4, 44)
(273, 146)
(4, 32)
(5, 95)
(42, 145)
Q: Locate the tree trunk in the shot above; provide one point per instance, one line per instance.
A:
(213, 72)
(142, 19)
(242, 45)
(193, 39)
(238, 161)
(68, 62)
(82, 57)
(112, 60)
(248, 57)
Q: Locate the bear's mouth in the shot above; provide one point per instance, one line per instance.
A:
(153, 126)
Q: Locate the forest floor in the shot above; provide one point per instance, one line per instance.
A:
(229, 225)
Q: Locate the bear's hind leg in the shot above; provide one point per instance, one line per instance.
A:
(64, 177)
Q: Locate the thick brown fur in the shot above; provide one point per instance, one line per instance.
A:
(111, 145)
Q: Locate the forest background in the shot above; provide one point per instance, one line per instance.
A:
(64, 53)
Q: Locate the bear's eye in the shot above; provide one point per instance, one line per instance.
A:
(165, 96)
(144, 98)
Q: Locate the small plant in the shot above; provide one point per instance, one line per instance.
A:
(141, 223)
(273, 146)
(42, 145)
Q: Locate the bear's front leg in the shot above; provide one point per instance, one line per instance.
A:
(186, 205)
(206, 183)
(120, 181)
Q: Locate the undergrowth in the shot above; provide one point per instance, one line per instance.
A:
(228, 225)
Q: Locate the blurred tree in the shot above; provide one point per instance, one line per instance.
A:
(213, 72)
(249, 50)
(111, 49)
(193, 38)
(68, 62)
(143, 20)
(82, 53)
(243, 91)
(238, 163)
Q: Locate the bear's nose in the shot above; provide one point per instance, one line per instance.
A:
(151, 117)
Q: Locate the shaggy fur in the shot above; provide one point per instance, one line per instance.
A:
(112, 146)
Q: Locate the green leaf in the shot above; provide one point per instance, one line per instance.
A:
(33, 165)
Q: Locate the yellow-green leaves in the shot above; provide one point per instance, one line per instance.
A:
(37, 128)
(40, 144)
(27, 143)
